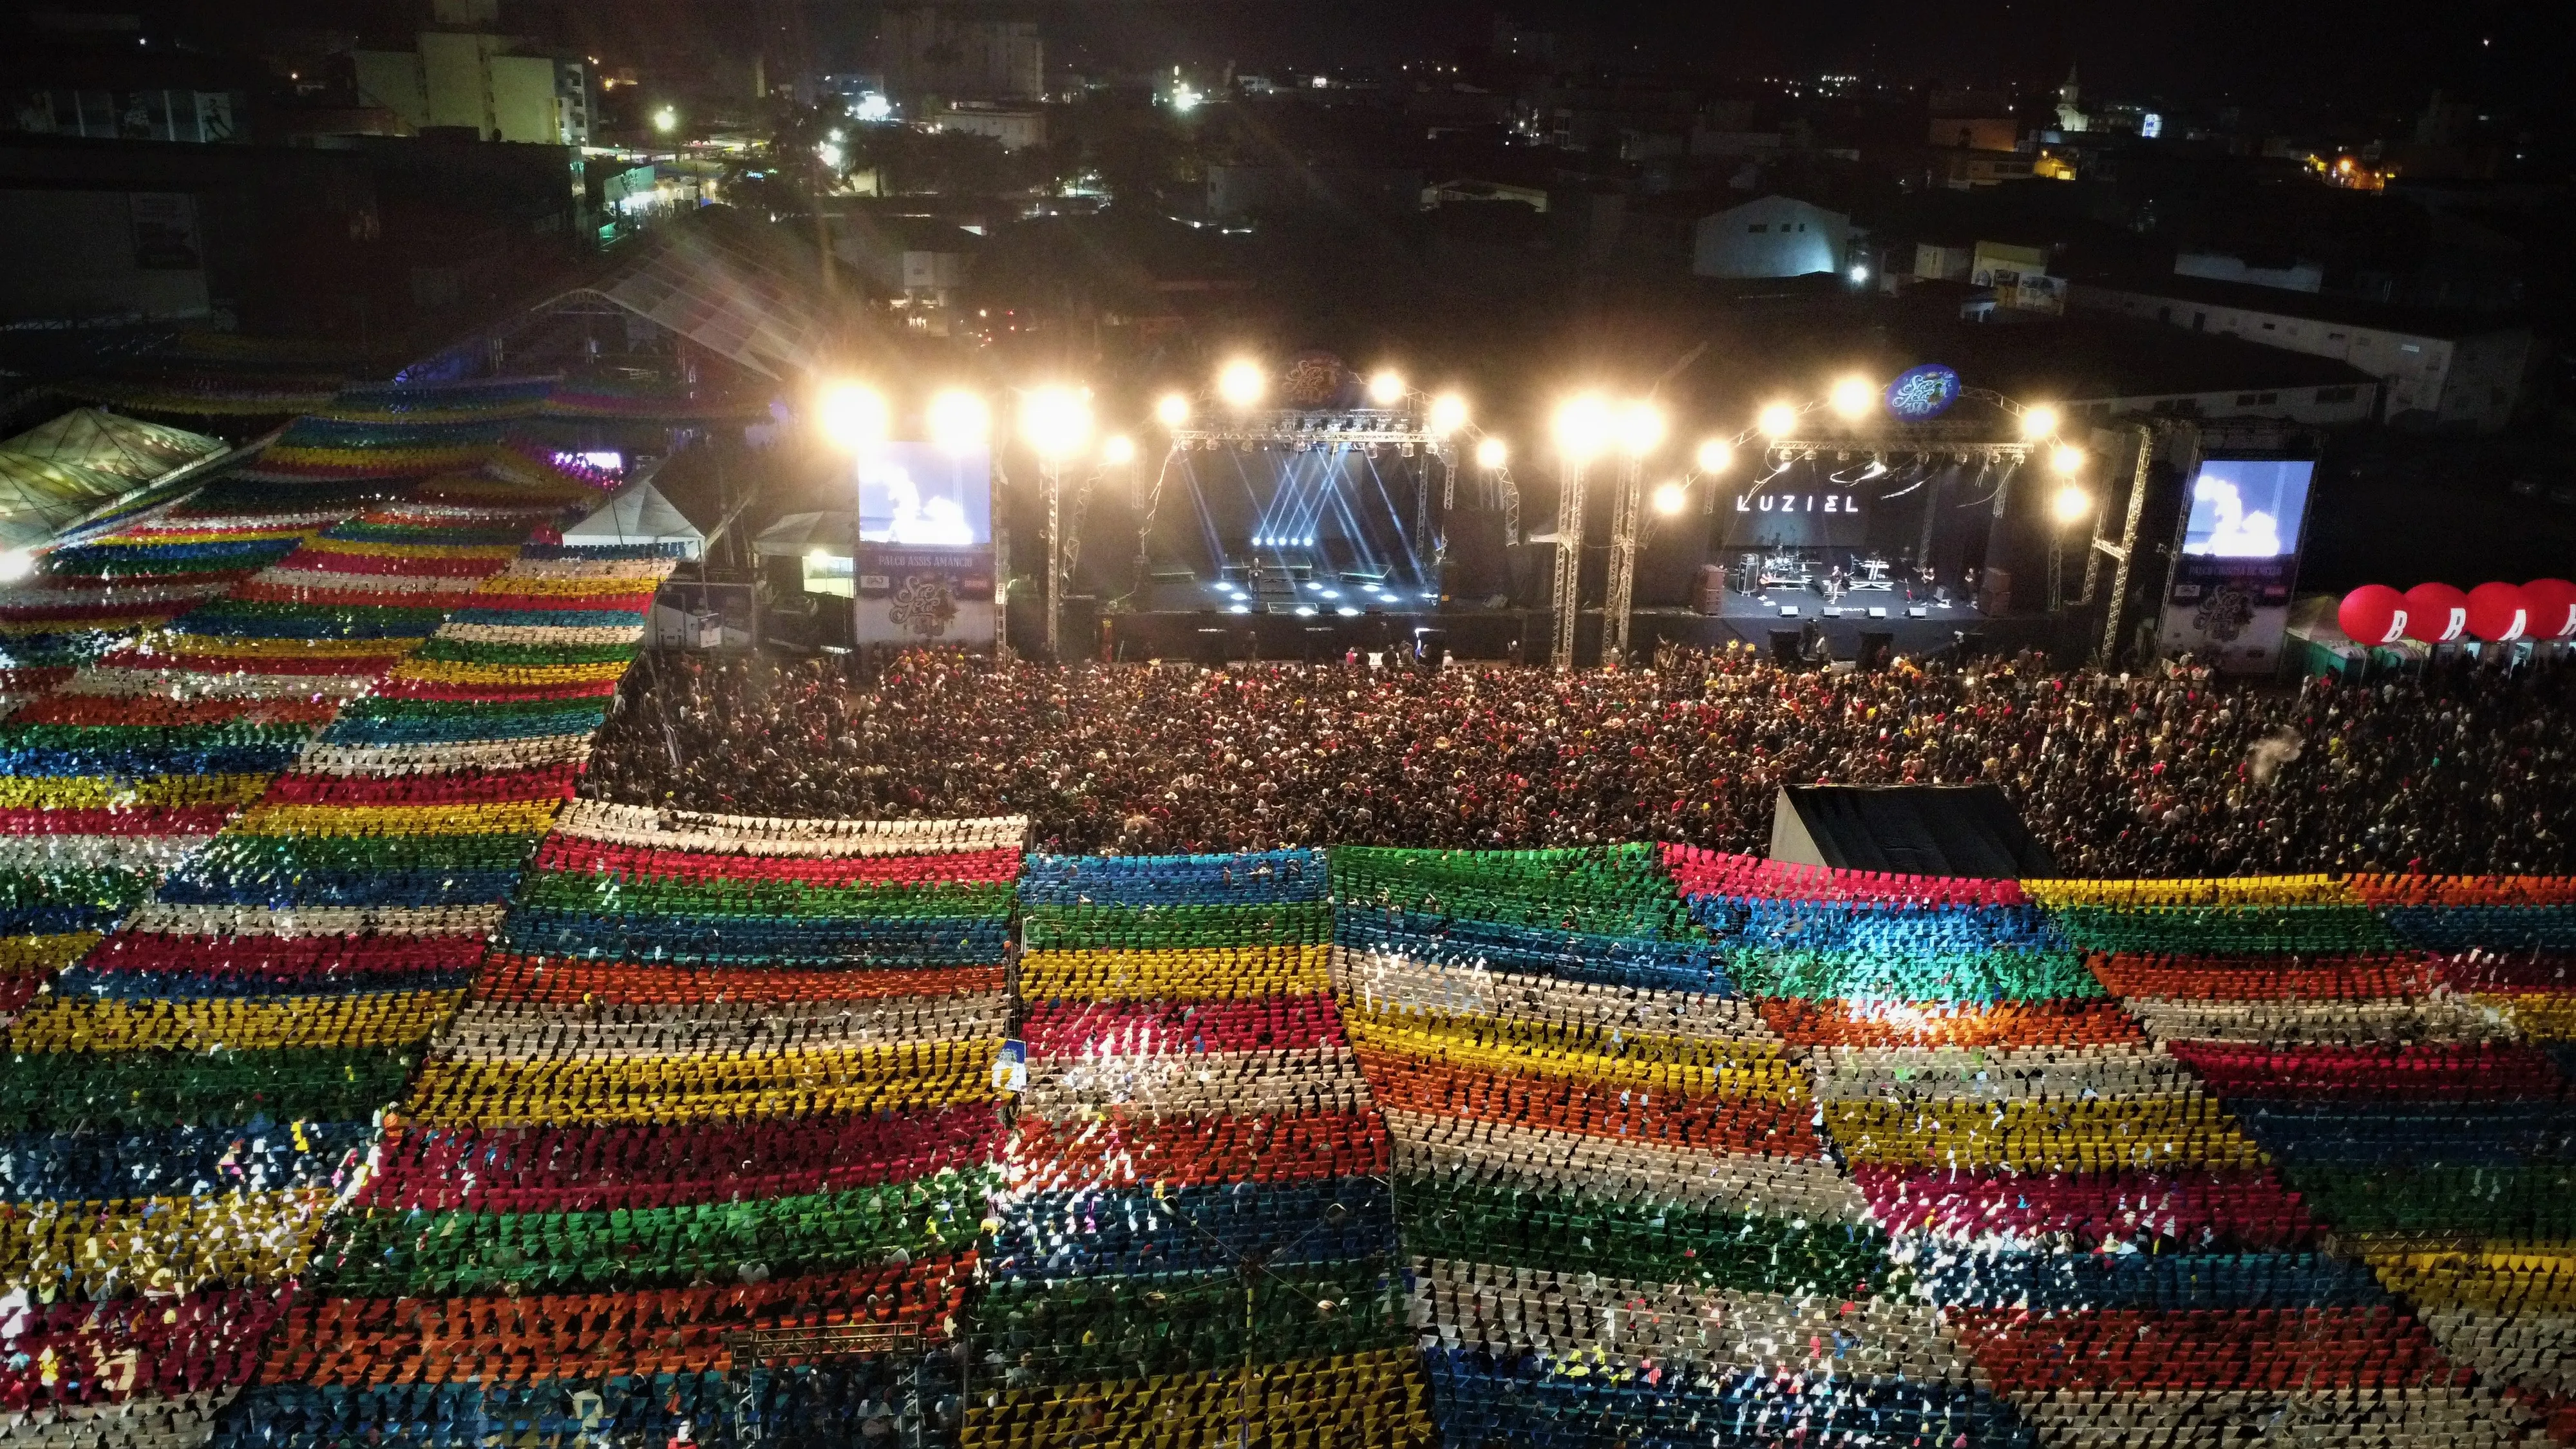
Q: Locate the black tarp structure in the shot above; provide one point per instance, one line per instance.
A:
(1959, 830)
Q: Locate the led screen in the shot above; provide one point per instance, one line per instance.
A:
(2247, 508)
(925, 496)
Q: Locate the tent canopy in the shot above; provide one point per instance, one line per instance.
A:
(104, 442)
(833, 534)
(40, 498)
(1969, 830)
(637, 513)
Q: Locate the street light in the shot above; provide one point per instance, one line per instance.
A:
(1852, 398)
(2039, 422)
(666, 120)
(1173, 410)
(1448, 414)
(960, 421)
(1492, 453)
(1386, 389)
(853, 415)
(1716, 455)
(1778, 420)
(1241, 383)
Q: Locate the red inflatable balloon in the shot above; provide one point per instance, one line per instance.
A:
(2498, 613)
(2436, 613)
(2553, 608)
(2372, 615)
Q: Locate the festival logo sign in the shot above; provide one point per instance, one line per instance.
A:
(1920, 394)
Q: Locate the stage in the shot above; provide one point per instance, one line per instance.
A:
(1326, 629)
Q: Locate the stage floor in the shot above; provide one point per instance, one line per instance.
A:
(1334, 628)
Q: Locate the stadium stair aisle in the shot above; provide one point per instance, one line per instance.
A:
(1196, 1242)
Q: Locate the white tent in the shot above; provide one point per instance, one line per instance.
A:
(637, 514)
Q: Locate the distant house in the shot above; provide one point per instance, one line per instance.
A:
(918, 259)
(1774, 236)
(2454, 371)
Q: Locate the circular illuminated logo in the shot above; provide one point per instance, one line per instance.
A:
(1922, 392)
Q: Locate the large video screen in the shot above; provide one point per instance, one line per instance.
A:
(2247, 507)
(925, 496)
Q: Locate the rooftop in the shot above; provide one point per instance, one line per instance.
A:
(2307, 306)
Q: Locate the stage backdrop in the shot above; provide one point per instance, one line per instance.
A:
(2229, 602)
(923, 572)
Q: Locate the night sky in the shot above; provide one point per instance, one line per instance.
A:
(2307, 62)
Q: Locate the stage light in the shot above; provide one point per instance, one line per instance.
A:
(1860, 272)
(1305, 611)
(1853, 397)
(16, 564)
(2071, 504)
(1056, 421)
(1492, 453)
(1173, 410)
(1584, 426)
(1238, 608)
(1669, 499)
(852, 415)
(2038, 422)
(1777, 421)
(1716, 455)
(2067, 458)
(960, 421)
(1241, 383)
(1347, 612)
(1118, 451)
(1386, 389)
(1641, 428)
(1448, 414)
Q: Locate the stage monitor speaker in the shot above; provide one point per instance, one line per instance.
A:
(1784, 648)
(1877, 648)
(1477, 568)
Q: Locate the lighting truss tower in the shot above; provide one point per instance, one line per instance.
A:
(1051, 476)
(1567, 598)
(1623, 560)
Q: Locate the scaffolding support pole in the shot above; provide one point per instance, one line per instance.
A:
(1624, 509)
(1567, 596)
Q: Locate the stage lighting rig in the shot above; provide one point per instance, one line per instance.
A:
(1241, 384)
(960, 421)
(853, 415)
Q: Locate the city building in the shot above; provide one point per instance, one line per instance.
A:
(1015, 127)
(467, 81)
(1774, 236)
(935, 52)
(2452, 371)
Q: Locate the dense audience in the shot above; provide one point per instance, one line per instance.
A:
(2463, 769)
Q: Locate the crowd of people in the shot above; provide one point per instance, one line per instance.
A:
(2460, 769)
